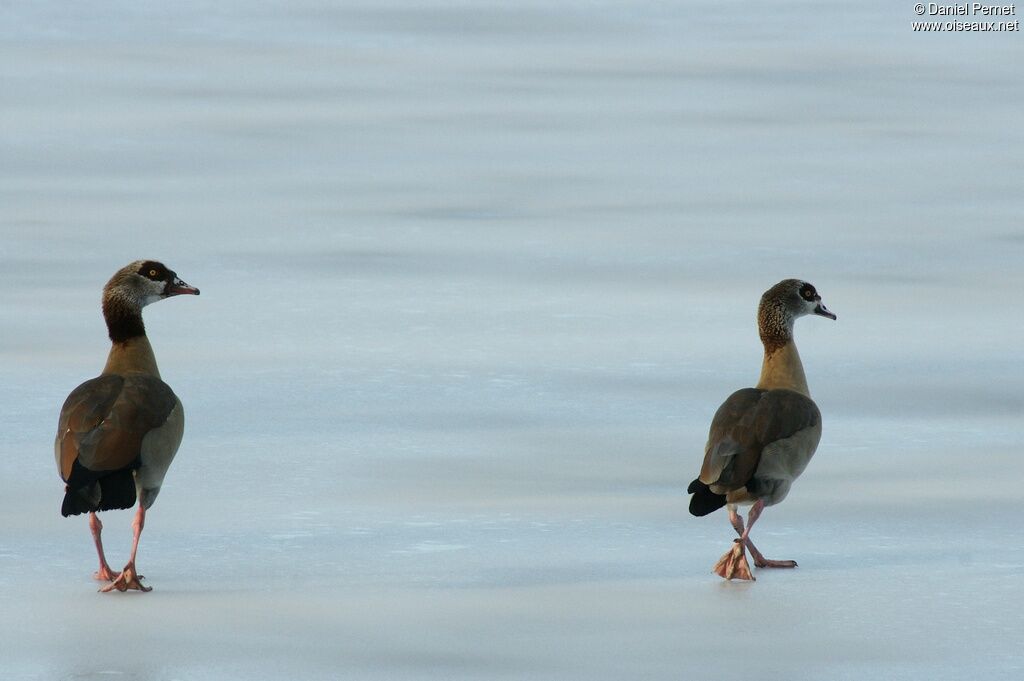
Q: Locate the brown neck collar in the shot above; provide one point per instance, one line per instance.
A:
(124, 320)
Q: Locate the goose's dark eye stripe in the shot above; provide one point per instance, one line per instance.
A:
(153, 270)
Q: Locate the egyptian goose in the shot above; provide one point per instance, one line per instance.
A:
(762, 438)
(118, 432)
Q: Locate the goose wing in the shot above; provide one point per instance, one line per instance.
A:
(104, 421)
(752, 429)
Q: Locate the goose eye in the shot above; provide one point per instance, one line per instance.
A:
(152, 273)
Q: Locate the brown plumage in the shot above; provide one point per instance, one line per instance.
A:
(762, 438)
(118, 433)
(750, 422)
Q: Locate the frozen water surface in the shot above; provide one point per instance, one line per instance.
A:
(475, 278)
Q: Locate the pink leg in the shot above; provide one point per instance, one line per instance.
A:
(734, 563)
(138, 523)
(736, 519)
(759, 560)
(129, 578)
(104, 574)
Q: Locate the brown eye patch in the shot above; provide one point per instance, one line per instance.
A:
(807, 292)
(153, 270)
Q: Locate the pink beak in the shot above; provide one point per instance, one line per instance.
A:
(179, 288)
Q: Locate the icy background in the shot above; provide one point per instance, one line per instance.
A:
(475, 278)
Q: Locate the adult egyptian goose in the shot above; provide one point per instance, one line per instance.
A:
(118, 432)
(762, 438)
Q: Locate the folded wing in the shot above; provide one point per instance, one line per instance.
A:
(760, 440)
(100, 434)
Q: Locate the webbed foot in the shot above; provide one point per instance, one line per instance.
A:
(128, 579)
(733, 565)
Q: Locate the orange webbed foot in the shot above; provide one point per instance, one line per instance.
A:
(128, 579)
(769, 563)
(733, 565)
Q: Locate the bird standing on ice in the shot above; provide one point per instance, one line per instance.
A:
(762, 438)
(118, 432)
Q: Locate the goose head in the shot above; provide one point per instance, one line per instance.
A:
(133, 287)
(784, 303)
(142, 282)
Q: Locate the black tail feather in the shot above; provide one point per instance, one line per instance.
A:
(112, 491)
(704, 501)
